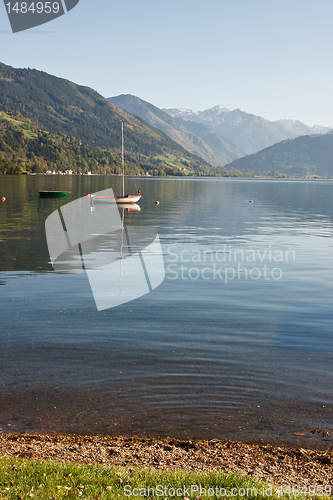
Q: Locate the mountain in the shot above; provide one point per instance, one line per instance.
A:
(62, 107)
(295, 126)
(304, 156)
(196, 137)
(249, 132)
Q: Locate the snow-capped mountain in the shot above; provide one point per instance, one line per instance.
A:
(249, 132)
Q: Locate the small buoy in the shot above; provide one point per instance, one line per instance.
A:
(88, 195)
(251, 201)
(3, 199)
(157, 202)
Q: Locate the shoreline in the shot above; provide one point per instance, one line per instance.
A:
(276, 465)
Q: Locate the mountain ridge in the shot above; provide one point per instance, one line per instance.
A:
(249, 132)
(201, 141)
(52, 105)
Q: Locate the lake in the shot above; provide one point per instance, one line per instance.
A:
(231, 338)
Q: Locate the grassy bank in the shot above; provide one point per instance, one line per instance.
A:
(45, 479)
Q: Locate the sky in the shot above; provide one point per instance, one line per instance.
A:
(272, 58)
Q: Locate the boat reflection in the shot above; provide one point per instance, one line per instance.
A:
(122, 262)
(129, 207)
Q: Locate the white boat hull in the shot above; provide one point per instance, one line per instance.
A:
(129, 198)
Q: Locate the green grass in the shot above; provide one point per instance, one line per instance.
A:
(23, 125)
(173, 162)
(45, 479)
(169, 160)
(29, 134)
(5, 116)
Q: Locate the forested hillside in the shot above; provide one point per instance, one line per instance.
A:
(62, 107)
(309, 155)
(24, 147)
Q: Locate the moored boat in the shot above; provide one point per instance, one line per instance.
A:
(129, 198)
(124, 198)
(53, 194)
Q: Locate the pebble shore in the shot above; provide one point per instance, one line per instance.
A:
(276, 465)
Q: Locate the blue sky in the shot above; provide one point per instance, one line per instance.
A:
(268, 57)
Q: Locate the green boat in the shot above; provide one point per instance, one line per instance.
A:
(53, 194)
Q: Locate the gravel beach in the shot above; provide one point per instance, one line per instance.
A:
(277, 465)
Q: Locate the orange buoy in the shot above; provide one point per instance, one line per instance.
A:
(3, 199)
(251, 201)
(157, 202)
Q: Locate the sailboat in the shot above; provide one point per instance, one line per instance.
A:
(124, 198)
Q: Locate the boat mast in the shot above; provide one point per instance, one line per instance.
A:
(122, 155)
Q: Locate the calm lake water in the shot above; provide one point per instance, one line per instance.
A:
(235, 343)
